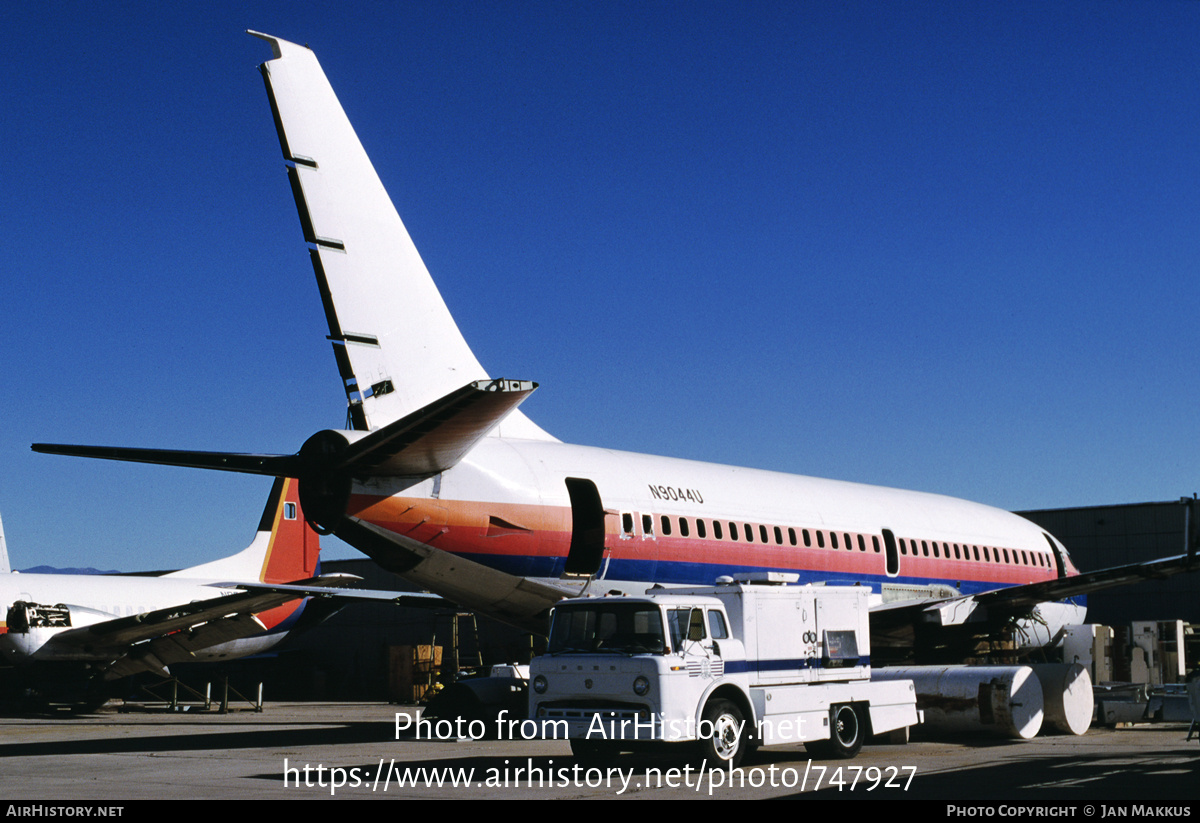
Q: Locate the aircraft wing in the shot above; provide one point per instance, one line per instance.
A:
(892, 620)
(517, 600)
(413, 599)
(1020, 597)
(153, 640)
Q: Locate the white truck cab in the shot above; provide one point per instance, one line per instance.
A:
(725, 667)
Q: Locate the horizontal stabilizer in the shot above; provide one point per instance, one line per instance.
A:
(271, 465)
(437, 436)
(428, 441)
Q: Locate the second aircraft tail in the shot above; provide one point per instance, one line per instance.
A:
(285, 547)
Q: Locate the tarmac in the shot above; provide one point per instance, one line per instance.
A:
(303, 751)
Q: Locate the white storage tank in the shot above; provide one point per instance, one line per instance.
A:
(999, 700)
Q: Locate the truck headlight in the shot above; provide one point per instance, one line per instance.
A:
(540, 685)
(641, 686)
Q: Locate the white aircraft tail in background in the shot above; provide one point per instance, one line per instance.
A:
(67, 634)
(5, 568)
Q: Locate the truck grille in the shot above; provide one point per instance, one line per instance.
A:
(586, 715)
(706, 668)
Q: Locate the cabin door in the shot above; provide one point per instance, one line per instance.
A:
(587, 529)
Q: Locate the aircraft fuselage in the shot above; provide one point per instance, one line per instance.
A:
(601, 519)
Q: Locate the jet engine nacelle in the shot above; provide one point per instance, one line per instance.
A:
(324, 485)
(32, 625)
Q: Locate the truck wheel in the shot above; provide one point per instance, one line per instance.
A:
(845, 735)
(728, 742)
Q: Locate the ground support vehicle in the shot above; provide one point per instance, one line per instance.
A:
(725, 668)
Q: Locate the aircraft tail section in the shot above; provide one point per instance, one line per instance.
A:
(285, 547)
(5, 568)
(397, 346)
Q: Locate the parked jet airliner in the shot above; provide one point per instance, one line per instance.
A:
(66, 634)
(441, 479)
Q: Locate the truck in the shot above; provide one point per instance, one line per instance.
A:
(722, 669)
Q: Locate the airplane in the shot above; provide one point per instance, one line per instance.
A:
(441, 478)
(68, 636)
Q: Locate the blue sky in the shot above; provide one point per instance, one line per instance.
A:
(942, 246)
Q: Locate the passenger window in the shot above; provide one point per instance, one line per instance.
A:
(700, 530)
(717, 529)
(627, 522)
(647, 525)
(666, 525)
(683, 527)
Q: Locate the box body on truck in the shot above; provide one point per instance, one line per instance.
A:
(724, 668)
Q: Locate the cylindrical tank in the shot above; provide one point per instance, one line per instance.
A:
(998, 700)
(1067, 695)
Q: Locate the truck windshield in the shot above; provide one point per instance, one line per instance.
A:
(606, 626)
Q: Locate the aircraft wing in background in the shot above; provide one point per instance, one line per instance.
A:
(153, 640)
(893, 623)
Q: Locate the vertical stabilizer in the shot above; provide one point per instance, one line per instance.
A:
(285, 549)
(397, 346)
(5, 568)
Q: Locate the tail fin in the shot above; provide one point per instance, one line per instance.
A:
(397, 346)
(285, 549)
(5, 568)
